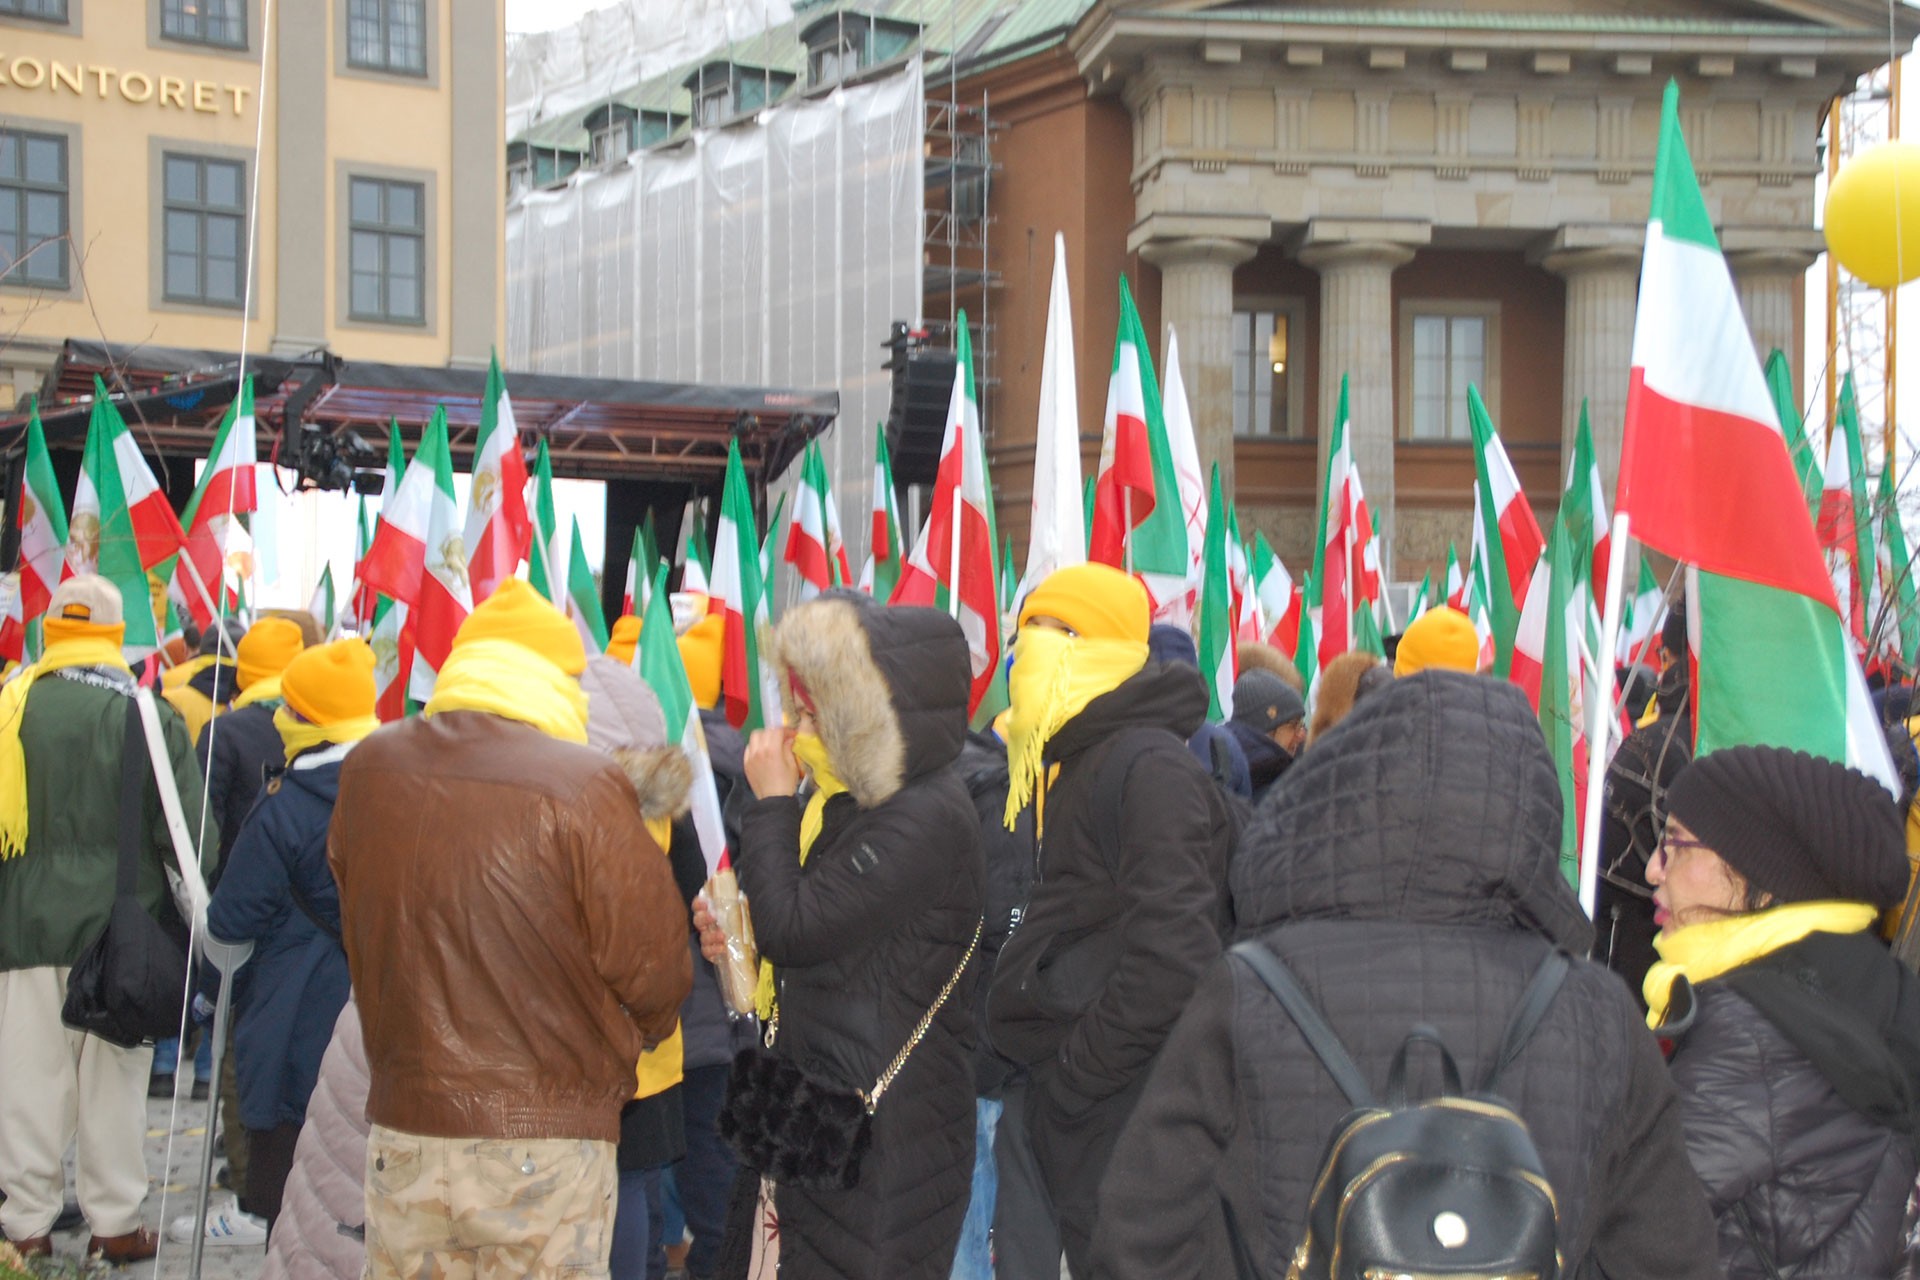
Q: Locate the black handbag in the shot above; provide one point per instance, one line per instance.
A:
(130, 985)
(804, 1132)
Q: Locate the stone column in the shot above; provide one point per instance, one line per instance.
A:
(1196, 302)
(1767, 281)
(1356, 339)
(1602, 286)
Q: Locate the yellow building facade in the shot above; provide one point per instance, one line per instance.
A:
(132, 133)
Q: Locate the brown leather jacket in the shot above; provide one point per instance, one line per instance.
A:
(514, 935)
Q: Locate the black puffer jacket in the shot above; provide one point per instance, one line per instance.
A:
(866, 934)
(235, 751)
(1407, 870)
(1823, 1181)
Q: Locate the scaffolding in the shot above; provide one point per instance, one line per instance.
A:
(1863, 321)
(958, 225)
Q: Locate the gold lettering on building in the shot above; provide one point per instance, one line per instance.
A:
(73, 78)
(203, 91)
(140, 94)
(173, 92)
(209, 97)
(23, 68)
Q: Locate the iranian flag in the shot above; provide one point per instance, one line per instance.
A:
(498, 526)
(1246, 601)
(767, 564)
(122, 524)
(1643, 617)
(641, 562)
(696, 570)
(583, 597)
(814, 545)
(226, 490)
(1546, 664)
(1330, 593)
(1585, 506)
(1896, 574)
(442, 601)
(392, 643)
(952, 565)
(397, 560)
(321, 607)
(1793, 425)
(1506, 537)
(1706, 478)
(1057, 534)
(1306, 647)
(882, 573)
(1138, 525)
(1422, 600)
(657, 659)
(1456, 583)
(1185, 451)
(737, 596)
(546, 558)
(1845, 528)
(366, 600)
(1215, 632)
(42, 521)
(1273, 585)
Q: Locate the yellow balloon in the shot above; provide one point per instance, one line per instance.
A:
(1873, 215)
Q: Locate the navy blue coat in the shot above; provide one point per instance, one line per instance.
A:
(290, 992)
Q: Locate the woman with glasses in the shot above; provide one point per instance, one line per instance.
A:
(1797, 1034)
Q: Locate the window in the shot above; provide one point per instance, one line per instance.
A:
(48, 10)
(657, 126)
(1265, 355)
(33, 209)
(205, 230)
(519, 175)
(715, 105)
(387, 233)
(1448, 350)
(611, 134)
(216, 22)
(388, 35)
(835, 60)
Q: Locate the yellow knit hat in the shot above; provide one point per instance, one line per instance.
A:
(1442, 638)
(1096, 600)
(330, 683)
(516, 612)
(701, 652)
(269, 645)
(625, 638)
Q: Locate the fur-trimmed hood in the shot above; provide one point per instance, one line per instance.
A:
(624, 720)
(662, 777)
(889, 687)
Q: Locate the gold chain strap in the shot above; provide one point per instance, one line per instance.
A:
(885, 1082)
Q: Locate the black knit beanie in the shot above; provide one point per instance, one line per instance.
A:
(1796, 826)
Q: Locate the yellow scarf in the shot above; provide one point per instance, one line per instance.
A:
(262, 690)
(812, 754)
(69, 644)
(664, 1065)
(1702, 951)
(510, 680)
(304, 735)
(1054, 677)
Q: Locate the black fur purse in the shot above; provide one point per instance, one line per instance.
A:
(803, 1132)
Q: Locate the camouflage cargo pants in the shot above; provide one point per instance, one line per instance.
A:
(466, 1209)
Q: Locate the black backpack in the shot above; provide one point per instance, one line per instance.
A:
(1448, 1186)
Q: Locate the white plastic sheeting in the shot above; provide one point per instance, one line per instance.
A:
(770, 254)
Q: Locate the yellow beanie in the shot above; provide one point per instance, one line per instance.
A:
(330, 683)
(1096, 600)
(516, 612)
(1442, 638)
(269, 645)
(701, 652)
(625, 638)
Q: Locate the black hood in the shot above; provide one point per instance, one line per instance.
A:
(215, 682)
(1161, 695)
(1434, 802)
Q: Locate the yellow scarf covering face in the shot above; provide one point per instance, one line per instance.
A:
(510, 680)
(812, 755)
(1703, 951)
(304, 735)
(1054, 677)
(69, 644)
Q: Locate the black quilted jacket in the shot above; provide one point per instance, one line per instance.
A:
(1407, 870)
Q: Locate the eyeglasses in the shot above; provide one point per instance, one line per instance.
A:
(1671, 844)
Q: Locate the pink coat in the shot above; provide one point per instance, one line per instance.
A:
(326, 1192)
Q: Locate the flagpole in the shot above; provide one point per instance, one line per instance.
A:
(953, 556)
(1599, 721)
(193, 573)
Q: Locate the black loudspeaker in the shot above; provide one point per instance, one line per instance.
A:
(917, 415)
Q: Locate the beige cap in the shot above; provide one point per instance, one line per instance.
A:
(87, 598)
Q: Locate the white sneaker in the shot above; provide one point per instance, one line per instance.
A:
(226, 1225)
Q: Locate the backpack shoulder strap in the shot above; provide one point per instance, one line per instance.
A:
(1110, 784)
(1313, 1027)
(1528, 1013)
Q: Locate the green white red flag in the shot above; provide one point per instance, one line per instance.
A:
(390, 637)
(1185, 451)
(1546, 664)
(737, 596)
(1306, 645)
(1057, 534)
(1896, 574)
(1456, 582)
(1845, 524)
(41, 518)
(1274, 587)
(322, 606)
(1706, 478)
(657, 659)
(1214, 635)
(1642, 617)
(1793, 425)
(498, 525)
(122, 524)
(814, 546)
(225, 492)
(1422, 600)
(546, 554)
(442, 600)
(1506, 537)
(583, 606)
(882, 572)
(1138, 525)
(1330, 584)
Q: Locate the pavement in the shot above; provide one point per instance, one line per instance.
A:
(176, 1133)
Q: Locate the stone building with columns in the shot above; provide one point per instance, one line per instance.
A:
(1415, 198)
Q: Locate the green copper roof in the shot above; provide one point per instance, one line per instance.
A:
(1429, 19)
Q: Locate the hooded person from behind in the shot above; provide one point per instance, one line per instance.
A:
(1269, 723)
(1217, 750)
(200, 688)
(1406, 871)
(235, 753)
(1130, 905)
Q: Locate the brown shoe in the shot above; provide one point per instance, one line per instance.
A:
(33, 1247)
(135, 1246)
